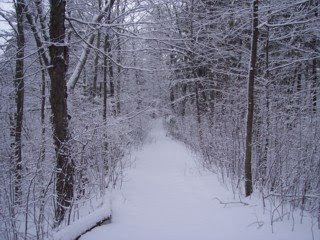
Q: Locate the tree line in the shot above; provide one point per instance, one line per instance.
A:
(244, 93)
(72, 109)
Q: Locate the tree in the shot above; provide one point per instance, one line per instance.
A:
(252, 70)
(19, 85)
(58, 98)
(106, 10)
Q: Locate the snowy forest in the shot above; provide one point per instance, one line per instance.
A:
(234, 85)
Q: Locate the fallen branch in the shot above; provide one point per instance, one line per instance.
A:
(84, 225)
(227, 203)
(100, 223)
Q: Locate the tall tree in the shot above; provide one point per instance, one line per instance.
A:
(58, 99)
(315, 43)
(250, 94)
(96, 67)
(19, 85)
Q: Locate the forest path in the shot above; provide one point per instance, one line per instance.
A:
(165, 197)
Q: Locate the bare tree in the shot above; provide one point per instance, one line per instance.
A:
(252, 70)
(58, 99)
(19, 85)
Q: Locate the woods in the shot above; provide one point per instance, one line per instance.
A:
(260, 135)
(236, 81)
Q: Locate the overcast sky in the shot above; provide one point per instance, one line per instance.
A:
(4, 26)
(4, 5)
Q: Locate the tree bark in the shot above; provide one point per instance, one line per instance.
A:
(58, 99)
(252, 70)
(19, 85)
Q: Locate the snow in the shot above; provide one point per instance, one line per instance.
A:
(79, 227)
(166, 197)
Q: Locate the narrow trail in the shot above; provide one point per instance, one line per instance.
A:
(164, 197)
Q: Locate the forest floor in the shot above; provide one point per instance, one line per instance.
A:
(166, 197)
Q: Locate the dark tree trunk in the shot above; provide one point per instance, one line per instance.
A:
(105, 70)
(104, 115)
(19, 85)
(118, 82)
(172, 85)
(172, 98)
(43, 105)
(252, 69)
(198, 102)
(184, 99)
(315, 83)
(137, 77)
(262, 166)
(110, 68)
(58, 99)
(119, 57)
(96, 62)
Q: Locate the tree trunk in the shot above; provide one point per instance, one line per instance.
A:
(184, 99)
(198, 111)
(96, 63)
(119, 56)
(105, 70)
(37, 38)
(105, 74)
(19, 85)
(42, 19)
(118, 83)
(172, 98)
(252, 69)
(110, 68)
(43, 105)
(263, 164)
(58, 99)
(137, 77)
(315, 83)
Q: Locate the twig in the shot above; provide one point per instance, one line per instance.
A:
(226, 203)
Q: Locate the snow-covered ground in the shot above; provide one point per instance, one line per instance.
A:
(165, 197)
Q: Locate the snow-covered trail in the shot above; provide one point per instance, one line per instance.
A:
(164, 197)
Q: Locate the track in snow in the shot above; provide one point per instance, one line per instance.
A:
(164, 197)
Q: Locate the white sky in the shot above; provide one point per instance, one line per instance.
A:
(4, 26)
(5, 5)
